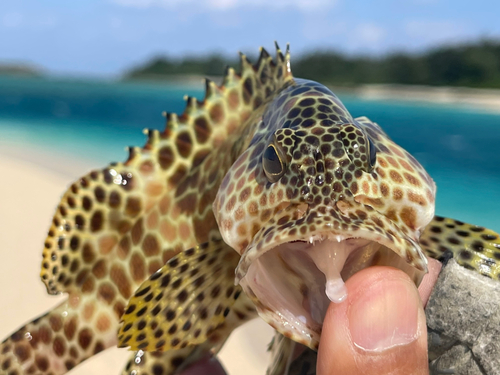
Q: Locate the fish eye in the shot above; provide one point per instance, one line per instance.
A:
(274, 165)
(373, 153)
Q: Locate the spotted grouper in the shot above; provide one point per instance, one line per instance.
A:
(261, 199)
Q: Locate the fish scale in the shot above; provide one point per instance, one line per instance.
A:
(146, 247)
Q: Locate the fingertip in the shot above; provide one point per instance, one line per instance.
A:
(380, 327)
(429, 280)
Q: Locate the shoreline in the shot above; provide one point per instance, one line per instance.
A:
(483, 99)
(473, 98)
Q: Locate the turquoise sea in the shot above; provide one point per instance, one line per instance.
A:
(95, 120)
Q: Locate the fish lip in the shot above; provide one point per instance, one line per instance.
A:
(295, 329)
(250, 253)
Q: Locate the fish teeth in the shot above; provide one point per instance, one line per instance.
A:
(316, 239)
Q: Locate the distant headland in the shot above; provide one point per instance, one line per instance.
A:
(19, 69)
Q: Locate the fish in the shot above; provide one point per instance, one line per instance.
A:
(259, 200)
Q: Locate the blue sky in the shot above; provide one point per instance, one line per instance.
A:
(106, 37)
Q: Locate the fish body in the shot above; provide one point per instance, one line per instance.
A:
(262, 198)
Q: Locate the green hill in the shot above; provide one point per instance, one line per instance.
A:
(475, 64)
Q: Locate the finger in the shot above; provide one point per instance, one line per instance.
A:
(429, 279)
(379, 329)
(206, 365)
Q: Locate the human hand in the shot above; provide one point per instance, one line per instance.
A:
(380, 328)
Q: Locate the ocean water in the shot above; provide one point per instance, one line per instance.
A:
(94, 121)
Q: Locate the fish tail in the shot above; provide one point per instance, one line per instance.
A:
(56, 342)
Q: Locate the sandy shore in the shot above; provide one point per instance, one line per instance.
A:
(30, 190)
(482, 99)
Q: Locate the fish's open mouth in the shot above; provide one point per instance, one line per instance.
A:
(293, 283)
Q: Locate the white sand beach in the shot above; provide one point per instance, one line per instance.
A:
(472, 98)
(31, 185)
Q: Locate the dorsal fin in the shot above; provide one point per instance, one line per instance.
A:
(98, 209)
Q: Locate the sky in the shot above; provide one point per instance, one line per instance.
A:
(107, 37)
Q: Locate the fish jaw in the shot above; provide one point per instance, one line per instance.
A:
(292, 273)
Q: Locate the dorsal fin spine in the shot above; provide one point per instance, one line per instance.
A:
(287, 59)
(172, 121)
(245, 64)
(210, 88)
(229, 77)
(192, 105)
(153, 137)
(264, 55)
(279, 54)
(133, 152)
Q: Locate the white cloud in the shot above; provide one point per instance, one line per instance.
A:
(424, 2)
(12, 20)
(434, 31)
(221, 19)
(221, 5)
(47, 21)
(115, 22)
(148, 3)
(369, 34)
(344, 35)
(320, 27)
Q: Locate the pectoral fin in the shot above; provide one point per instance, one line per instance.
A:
(472, 246)
(184, 301)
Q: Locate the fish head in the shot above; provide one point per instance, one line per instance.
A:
(316, 197)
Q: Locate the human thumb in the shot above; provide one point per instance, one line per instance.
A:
(379, 329)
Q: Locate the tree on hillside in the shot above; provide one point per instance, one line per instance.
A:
(473, 64)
